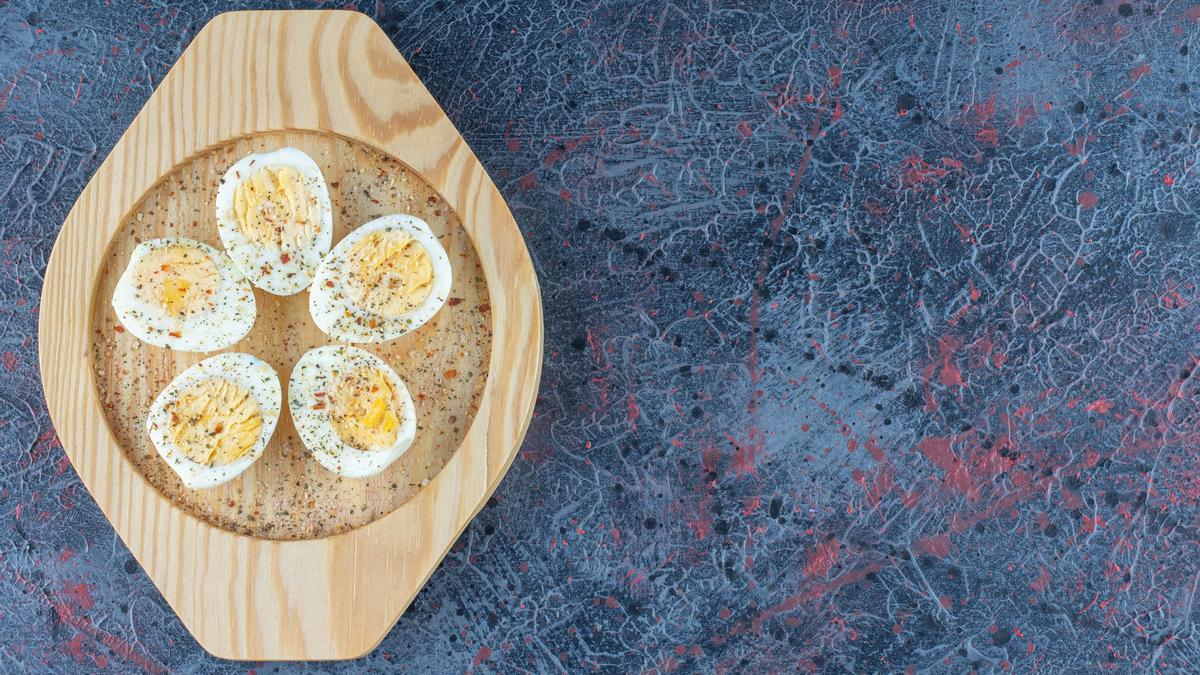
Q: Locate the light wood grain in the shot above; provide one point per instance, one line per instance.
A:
(285, 495)
(248, 597)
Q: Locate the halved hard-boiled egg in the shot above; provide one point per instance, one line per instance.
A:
(383, 280)
(183, 294)
(352, 411)
(275, 218)
(214, 420)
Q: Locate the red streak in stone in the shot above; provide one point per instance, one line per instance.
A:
(80, 599)
(745, 457)
(1042, 581)
(1100, 405)
(597, 350)
(1076, 149)
(937, 545)
(937, 450)
(6, 93)
(1139, 71)
(776, 225)
(916, 172)
(709, 456)
(1088, 199)
(653, 180)
(701, 523)
(569, 145)
(1025, 114)
(971, 473)
(835, 76)
(949, 374)
(632, 411)
(961, 522)
(985, 111)
(875, 450)
(1071, 499)
(484, 653)
(964, 232)
(816, 591)
(821, 558)
(74, 647)
(80, 595)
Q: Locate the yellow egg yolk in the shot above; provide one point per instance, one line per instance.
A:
(364, 410)
(215, 421)
(273, 206)
(390, 274)
(179, 279)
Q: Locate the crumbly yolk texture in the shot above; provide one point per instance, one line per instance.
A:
(274, 207)
(390, 274)
(215, 422)
(179, 279)
(364, 410)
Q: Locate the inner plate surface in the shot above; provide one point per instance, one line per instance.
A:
(287, 494)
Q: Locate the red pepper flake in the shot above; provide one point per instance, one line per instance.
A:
(119, 329)
(285, 258)
(319, 394)
(451, 374)
(175, 334)
(329, 284)
(454, 301)
(319, 405)
(485, 308)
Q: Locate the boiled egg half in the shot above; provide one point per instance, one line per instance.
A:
(275, 218)
(214, 420)
(185, 295)
(352, 411)
(385, 279)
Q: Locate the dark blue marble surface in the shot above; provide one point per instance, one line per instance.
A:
(871, 337)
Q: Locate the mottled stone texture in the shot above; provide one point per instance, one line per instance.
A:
(870, 337)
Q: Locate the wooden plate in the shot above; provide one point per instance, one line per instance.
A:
(290, 561)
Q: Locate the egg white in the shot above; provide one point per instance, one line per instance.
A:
(252, 373)
(314, 373)
(334, 312)
(224, 319)
(264, 266)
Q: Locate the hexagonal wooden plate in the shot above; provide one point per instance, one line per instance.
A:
(332, 79)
